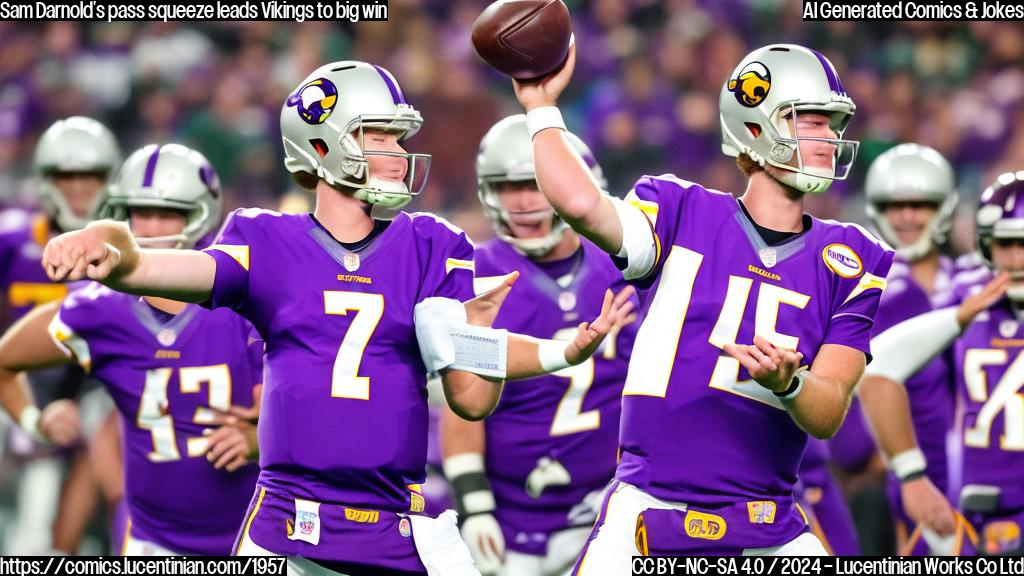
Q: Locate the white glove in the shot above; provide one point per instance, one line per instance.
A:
(486, 542)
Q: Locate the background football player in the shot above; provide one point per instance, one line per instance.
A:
(73, 162)
(168, 366)
(911, 196)
(529, 477)
(983, 328)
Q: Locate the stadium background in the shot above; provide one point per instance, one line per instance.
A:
(644, 95)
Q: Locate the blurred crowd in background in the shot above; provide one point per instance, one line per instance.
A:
(645, 94)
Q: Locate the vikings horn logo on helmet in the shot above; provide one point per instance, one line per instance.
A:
(315, 100)
(751, 85)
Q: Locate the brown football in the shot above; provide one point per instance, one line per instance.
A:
(523, 38)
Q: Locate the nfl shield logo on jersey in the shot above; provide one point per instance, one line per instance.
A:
(351, 261)
(768, 257)
(1007, 328)
(167, 336)
(307, 522)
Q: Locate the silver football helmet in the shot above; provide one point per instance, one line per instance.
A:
(322, 125)
(912, 173)
(173, 177)
(759, 104)
(75, 144)
(506, 155)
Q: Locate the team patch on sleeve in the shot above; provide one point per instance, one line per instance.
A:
(239, 253)
(69, 342)
(455, 263)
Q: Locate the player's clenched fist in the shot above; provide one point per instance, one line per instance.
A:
(95, 252)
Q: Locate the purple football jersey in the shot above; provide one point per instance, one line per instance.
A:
(568, 420)
(22, 278)
(987, 364)
(165, 373)
(344, 413)
(695, 427)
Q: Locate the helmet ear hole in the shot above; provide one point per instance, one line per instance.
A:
(754, 129)
(320, 146)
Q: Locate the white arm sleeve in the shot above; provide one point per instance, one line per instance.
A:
(901, 351)
(446, 340)
(638, 245)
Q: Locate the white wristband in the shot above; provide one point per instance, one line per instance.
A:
(543, 118)
(908, 463)
(29, 422)
(799, 377)
(551, 354)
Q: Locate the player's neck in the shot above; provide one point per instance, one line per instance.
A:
(165, 305)
(568, 246)
(346, 218)
(925, 270)
(772, 205)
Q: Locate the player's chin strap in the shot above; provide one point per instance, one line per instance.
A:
(177, 240)
(951, 545)
(446, 340)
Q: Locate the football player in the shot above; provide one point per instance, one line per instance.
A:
(168, 365)
(343, 421)
(756, 315)
(74, 160)
(983, 329)
(526, 478)
(911, 196)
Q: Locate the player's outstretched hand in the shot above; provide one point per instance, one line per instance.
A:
(545, 91)
(482, 310)
(989, 295)
(81, 254)
(616, 310)
(926, 505)
(60, 423)
(770, 366)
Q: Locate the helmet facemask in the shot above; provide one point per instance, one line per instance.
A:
(371, 188)
(499, 216)
(786, 153)
(933, 235)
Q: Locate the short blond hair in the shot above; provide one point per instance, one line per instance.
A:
(747, 165)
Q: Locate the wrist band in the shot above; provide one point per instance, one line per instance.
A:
(29, 422)
(543, 118)
(908, 463)
(795, 387)
(551, 354)
(473, 493)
